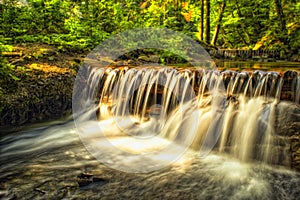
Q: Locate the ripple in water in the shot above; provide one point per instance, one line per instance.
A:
(44, 163)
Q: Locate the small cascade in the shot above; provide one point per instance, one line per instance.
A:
(228, 111)
(245, 54)
(256, 84)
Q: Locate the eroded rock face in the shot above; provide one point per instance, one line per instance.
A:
(38, 97)
(287, 124)
(295, 151)
(289, 87)
(287, 119)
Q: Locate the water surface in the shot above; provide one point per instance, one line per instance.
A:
(44, 162)
(253, 65)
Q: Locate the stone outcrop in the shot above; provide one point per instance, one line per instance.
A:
(288, 124)
(43, 95)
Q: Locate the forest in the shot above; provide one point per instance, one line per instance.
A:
(79, 26)
(268, 24)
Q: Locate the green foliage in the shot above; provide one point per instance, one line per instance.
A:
(83, 24)
(6, 69)
(246, 23)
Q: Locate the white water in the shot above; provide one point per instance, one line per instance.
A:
(148, 126)
(50, 158)
(206, 110)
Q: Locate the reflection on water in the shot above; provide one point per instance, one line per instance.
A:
(265, 66)
(44, 162)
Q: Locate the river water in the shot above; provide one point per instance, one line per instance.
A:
(54, 160)
(43, 162)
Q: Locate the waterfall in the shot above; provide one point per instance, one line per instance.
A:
(226, 111)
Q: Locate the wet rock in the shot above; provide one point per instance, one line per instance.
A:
(287, 122)
(289, 86)
(84, 179)
(88, 181)
(295, 152)
(40, 191)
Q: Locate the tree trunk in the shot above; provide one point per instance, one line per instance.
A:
(224, 38)
(242, 37)
(202, 20)
(217, 29)
(207, 24)
(281, 18)
(243, 26)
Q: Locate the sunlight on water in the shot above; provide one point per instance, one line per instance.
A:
(135, 146)
(149, 111)
(219, 142)
(55, 160)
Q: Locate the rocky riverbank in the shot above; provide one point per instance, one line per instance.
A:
(44, 87)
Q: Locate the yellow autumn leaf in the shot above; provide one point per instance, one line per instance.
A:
(187, 16)
(185, 5)
(257, 45)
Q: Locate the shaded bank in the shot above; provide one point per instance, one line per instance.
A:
(43, 86)
(43, 95)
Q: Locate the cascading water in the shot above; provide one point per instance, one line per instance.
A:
(160, 112)
(228, 112)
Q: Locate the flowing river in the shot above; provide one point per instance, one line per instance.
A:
(150, 133)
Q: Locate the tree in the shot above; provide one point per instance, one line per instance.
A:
(242, 24)
(202, 20)
(281, 19)
(207, 24)
(217, 29)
